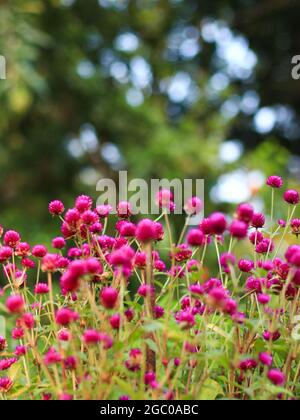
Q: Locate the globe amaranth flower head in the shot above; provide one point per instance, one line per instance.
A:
(295, 225)
(56, 208)
(275, 181)
(193, 206)
(291, 197)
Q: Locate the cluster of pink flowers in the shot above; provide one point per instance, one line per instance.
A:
(110, 308)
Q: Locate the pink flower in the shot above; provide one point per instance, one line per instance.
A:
(248, 364)
(52, 357)
(65, 316)
(158, 312)
(238, 229)
(218, 223)
(15, 304)
(17, 333)
(22, 249)
(49, 262)
(58, 243)
(291, 197)
(258, 220)
(5, 364)
(115, 321)
(164, 199)
(195, 237)
(295, 225)
(275, 181)
(124, 210)
(93, 266)
(5, 384)
(93, 337)
(90, 217)
(122, 257)
(264, 299)
(276, 377)
(70, 363)
(146, 231)
(83, 203)
(146, 290)
(27, 321)
(5, 253)
(295, 259)
(245, 212)
(72, 217)
(182, 253)
(20, 351)
(56, 208)
(246, 266)
(39, 251)
(266, 359)
(266, 245)
(128, 230)
(193, 206)
(271, 336)
(186, 319)
(64, 335)
(104, 211)
(140, 260)
(12, 238)
(109, 297)
(41, 289)
(2, 343)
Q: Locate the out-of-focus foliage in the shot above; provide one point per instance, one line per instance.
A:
(150, 86)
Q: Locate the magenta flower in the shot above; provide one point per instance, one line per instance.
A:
(275, 181)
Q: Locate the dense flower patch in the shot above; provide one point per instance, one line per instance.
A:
(107, 317)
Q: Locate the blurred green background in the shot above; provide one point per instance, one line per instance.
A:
(161, 88)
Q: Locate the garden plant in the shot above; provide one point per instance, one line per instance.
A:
(108, 317)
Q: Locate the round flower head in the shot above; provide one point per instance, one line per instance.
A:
(12, 238)
(263, 299)
(104, 211)
(115, 321)
(193, 206)
(5, 253)
(146, 231)
(246, 266)
(22, 249)
(58, 243)
(295, 225)
(15, 304)
(124, 210)
(195, 237)
(291, 197)
(72, 217)
(56, 208)
(2, 343)
(5, 384)
(258, 220)
(65, 316)
(39, 251)
(90, 217)
(266, 359)
(218, 223)
(128, 230)
(245, 212)
(83, 203)
(49, 262)
(109, 297)
(164, 199)
(276, 377)
(238, 229)
(275, 181)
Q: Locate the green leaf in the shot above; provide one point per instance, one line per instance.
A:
(210, 390)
